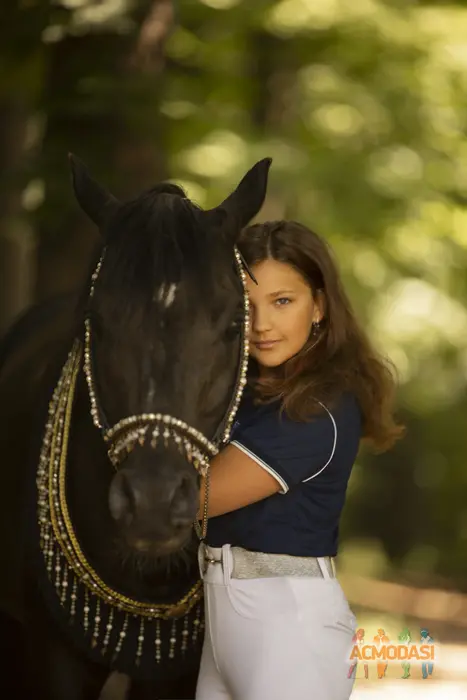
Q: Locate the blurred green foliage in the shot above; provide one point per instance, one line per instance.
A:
(363, 107)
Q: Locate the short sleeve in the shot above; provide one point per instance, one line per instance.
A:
(295, 452)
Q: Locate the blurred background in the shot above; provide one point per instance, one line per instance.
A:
(363, 106)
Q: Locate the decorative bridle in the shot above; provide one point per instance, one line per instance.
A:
(122, 437)
(80, 590)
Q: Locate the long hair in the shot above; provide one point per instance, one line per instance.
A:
(340, 358)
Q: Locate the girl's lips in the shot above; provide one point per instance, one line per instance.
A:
(264, 345)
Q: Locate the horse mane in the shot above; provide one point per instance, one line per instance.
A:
(30, 323)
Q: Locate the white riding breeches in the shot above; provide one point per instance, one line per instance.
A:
(274, 638)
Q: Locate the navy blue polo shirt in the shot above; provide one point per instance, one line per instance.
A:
(312, 462)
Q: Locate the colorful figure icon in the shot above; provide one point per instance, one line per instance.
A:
(405, 638)
(380, 640)
(358, 638)
(427, 666)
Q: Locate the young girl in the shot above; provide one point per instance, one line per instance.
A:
(277, 622)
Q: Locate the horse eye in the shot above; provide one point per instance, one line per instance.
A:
(235, 326)
(238, 320)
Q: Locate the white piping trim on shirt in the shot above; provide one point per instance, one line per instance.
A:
(262, 464)
(333, 447)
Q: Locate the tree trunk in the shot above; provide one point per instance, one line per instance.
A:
(16, 235)
(102, 98)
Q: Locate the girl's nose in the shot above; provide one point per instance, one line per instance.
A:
(261, 320)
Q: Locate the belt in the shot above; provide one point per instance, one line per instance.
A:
(248, 564)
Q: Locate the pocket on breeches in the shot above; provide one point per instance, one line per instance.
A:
(325, 615)
(344, 617)
(261, 599)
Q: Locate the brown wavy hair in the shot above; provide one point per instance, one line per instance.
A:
(340, 358)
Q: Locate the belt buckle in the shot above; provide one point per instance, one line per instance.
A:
(203, 559)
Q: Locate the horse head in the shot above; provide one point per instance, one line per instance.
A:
(164, 314)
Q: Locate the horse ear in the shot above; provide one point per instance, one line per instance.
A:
(93, 199)
(247, 199)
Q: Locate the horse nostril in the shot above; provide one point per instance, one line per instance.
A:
(122, 499)
(185, 488)
(180, 522)
(183, 507)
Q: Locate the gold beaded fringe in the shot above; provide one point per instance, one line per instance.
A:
(67, 567)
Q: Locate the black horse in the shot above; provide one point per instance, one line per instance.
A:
(153, 346)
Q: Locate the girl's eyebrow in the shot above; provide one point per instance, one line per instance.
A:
(281, 291)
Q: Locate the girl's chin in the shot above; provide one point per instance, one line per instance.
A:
(269, 362)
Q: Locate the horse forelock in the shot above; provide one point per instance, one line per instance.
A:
(155, 242)
(164, 280)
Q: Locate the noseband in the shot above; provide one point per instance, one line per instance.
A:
(144, 428)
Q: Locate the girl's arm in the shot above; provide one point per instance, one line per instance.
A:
(236, 480)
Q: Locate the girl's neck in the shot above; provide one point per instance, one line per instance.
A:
(265, 374)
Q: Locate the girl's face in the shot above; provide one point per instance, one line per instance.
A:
(282, 312)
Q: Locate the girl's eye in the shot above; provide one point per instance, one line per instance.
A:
(283, 301)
